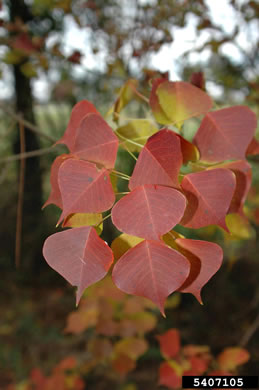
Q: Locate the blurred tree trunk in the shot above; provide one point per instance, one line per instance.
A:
(32, 186)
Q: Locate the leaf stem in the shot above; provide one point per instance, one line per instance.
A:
(120, 174)
(107, 216)
(128, 140)
(141, 96)
(130, 153)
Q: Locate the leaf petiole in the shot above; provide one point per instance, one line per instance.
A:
(107, 216)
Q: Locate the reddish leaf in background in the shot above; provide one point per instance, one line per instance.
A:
(180, 101)
(123, 364)
(230, 358)
(243, 173)
(209, 194)
(168, 377)
(55, 194)
(38, 379)
(198, 365)
(84, 189)
(79, 255)
(75, 57)
(151, 270)
(159, 161)
(197, 79)
(24, 43)
(210, 256)
(170, 343)
(253, 148)
(81, 109)
(225, 134)
(158, 112)
(149, 211)
(95, 141)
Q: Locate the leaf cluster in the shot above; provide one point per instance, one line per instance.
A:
(157, 260)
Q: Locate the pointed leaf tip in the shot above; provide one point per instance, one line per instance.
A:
(151, 270)
(79, 255)
(81, 109)
(205, 260)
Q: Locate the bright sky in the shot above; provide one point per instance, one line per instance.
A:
(165, 60)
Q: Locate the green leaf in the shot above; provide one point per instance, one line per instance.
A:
(138, 131)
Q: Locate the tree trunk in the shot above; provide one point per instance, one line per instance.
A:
(31, 246)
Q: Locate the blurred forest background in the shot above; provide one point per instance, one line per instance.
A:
(54, 53)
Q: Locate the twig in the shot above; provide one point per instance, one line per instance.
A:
(20, 199)
(24, 155)
(26, 123)
(141, 96)
(250, 332)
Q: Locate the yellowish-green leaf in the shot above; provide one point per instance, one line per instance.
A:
(170, 237)
(138, 131)
(126, 94)
(178, 368)
(181, 101)
(239, 227)
(13, 57)
(29, 70)
(173, 301)
(84, 219)
(123, 243)
(132, 347)
(114, 181)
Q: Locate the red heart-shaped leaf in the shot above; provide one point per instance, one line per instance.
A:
(95, 141)
(225, 134)
(84, 189)
(209, 194)
(55, 194)
(81, 109)
(79, 255)
(159, 161)
(243, 173)
(151, 270)
(149, 211)
(210, 258)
